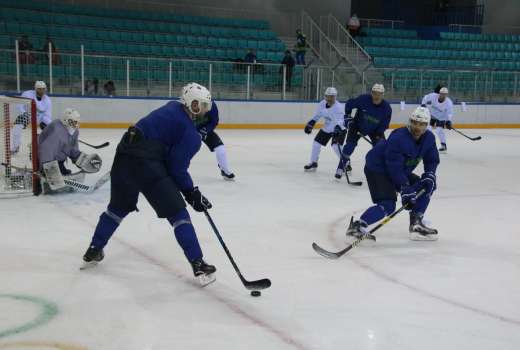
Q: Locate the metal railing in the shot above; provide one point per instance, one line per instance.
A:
(483, 29)
(380, 23)
(345, 42)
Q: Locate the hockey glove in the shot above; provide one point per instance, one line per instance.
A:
(428, 182)
(203, 133)
(43, 125)
(408, 196)
(348, 119)
(338, 134)
(309, 126)
(197, 200)
(89, 163)
(434, 122)
(447, 125)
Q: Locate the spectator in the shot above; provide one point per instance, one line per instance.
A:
(25, 48)
(54, 50)
(289, 63)
(95, 82)
(110, 88)
(301, 47)
(353, 25)
(250, 56)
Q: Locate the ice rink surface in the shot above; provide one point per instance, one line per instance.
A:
(461, 292)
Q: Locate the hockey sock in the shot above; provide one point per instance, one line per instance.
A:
(315, 154)
(185, 235)
(441, 134)
(348, 149)
(222, 161)
(378, 212)
(108, 222)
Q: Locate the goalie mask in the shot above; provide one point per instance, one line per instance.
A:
(196, 98)
(70, 119)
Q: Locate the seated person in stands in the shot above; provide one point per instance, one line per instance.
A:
(110, 88)
(250, 56)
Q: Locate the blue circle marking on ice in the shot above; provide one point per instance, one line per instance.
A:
(48, 311)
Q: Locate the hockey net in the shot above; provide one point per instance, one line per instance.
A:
(19, 147)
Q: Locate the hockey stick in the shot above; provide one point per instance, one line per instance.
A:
(103, 145)
(78, 186)
(353, 183)
(335, 255)
(466, 136)
(251, 285)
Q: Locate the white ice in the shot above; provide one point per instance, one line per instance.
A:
(461, 292)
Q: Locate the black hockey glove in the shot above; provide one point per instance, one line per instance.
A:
(448, 125)
(434, 122)
(337, 134)
(203, 133)
(43, 125)
(309, 126)
(197, 200)
(408, 196)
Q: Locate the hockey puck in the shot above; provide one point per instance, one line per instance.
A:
(256, 293)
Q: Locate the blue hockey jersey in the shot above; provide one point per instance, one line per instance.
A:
(172, 126)
(370, 118)
(398, 156)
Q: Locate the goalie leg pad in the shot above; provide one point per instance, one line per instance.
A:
(53, 175)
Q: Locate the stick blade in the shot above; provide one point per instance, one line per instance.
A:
(476, 138)
(258, 285)
(325, 253)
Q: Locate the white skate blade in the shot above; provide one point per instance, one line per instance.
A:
(204, 280)
(416, 236)
(88, 265)
(311, 170)
(227, 178)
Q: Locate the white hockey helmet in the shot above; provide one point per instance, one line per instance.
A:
(378, 88)
(331, 91)
(421, 115)
(196, 92)
(443, 90)
(40, 85)
(70, 118)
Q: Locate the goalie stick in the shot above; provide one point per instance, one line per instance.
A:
(70, 183)
(336, 255)
(103, 145)
(251, 285)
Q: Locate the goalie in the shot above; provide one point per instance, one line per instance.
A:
(57, 142)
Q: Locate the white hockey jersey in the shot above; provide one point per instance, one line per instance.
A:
(439, 110)
(333, 115)
(43, 107)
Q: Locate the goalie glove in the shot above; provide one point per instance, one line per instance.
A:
(53, 176)
(89, 163)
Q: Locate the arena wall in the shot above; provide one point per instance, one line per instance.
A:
(100, 112)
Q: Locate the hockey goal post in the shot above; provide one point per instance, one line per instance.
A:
(19, 147)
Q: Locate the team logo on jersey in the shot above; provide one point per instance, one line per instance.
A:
(371, 119)
(413, 162)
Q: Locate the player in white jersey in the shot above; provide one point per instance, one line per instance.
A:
(57, 143)
(441, 110)
(332, 112)
(43, 113)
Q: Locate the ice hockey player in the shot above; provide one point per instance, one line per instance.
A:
(206, 126)
(331, 110)
(43, 113)
(441, 110)
(372, 118)
(152, 158)
(389, 169)
(58, 142)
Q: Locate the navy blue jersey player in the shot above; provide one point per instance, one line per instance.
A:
(153, 158)
(206, 125)
(372, 119)
(389, 170)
